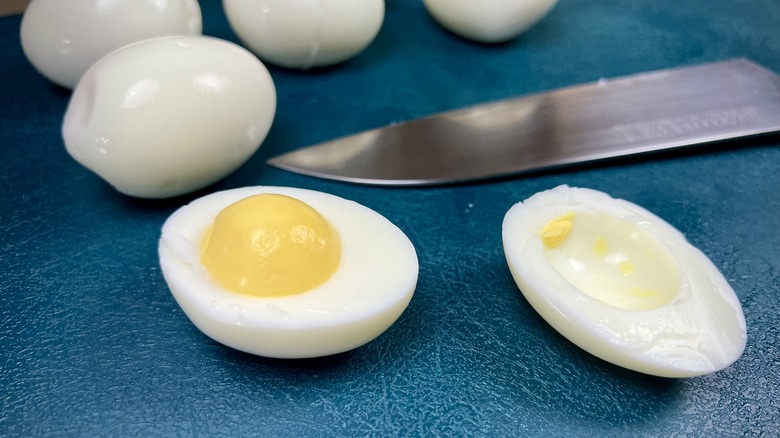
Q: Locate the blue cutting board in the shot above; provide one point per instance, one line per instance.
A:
(93, 344)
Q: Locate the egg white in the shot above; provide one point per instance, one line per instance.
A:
(700, 331)
(62, 39)
(166, 116)
(372, 286)
(491, 21)
(302, 34)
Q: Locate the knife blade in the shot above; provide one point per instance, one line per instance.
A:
(607, 119)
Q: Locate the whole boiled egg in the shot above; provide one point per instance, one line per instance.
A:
(623, 284)
(302, 34)
(169, 115)
(488, 21)
(62, 39)
(285, 272)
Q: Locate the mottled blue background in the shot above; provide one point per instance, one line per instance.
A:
(93, 344)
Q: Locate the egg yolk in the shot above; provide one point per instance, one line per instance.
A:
(555, 231)
(270, 245)
(611, 259)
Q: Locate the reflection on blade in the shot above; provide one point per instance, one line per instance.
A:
(607, 119)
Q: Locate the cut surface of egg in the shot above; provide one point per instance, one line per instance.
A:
(287, 273)
(302, 34)
(489, 21)
(62, 39)
(622, 283)
(170, 115)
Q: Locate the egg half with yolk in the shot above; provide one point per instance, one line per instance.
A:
(287, 273)
(622, 283)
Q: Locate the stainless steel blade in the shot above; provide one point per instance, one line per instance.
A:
(603, 120)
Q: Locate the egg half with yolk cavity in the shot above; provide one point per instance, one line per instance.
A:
(622, 283)
(285, 272)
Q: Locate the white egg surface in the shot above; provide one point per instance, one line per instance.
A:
(170, 115)
(488, 21)
(374, 279)
(62, 39)
(302, 34)
(622, 283)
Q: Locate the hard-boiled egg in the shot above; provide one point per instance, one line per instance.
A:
(170, 115)
(287, 273)
(488, 21)
(305, 33)
(62, 39)
(623, 284)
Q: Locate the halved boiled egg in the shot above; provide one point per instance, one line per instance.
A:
(287, 273)
(622, 283)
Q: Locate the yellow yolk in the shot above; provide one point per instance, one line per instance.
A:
(600, 247)
(612, 260)
(555, 231)
(626, 268)
(270, 245)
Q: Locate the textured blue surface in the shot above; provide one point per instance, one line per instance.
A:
(92, 343)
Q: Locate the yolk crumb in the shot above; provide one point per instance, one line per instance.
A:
(270, 245)
(600, 247)
(626, 268)
(554, 232)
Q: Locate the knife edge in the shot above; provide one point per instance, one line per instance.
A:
(676, 108)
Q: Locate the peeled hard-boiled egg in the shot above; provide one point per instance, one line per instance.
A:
(63, 38)
(287, 273)
(489, 21)
(305, 33)
(170, 115)
(623, 284)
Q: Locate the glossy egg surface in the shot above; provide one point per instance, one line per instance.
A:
(167, 116)
(302, 34)
(63, 38)
(488, 21)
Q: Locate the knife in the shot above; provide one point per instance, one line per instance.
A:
(607, 119)
(12, 7)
